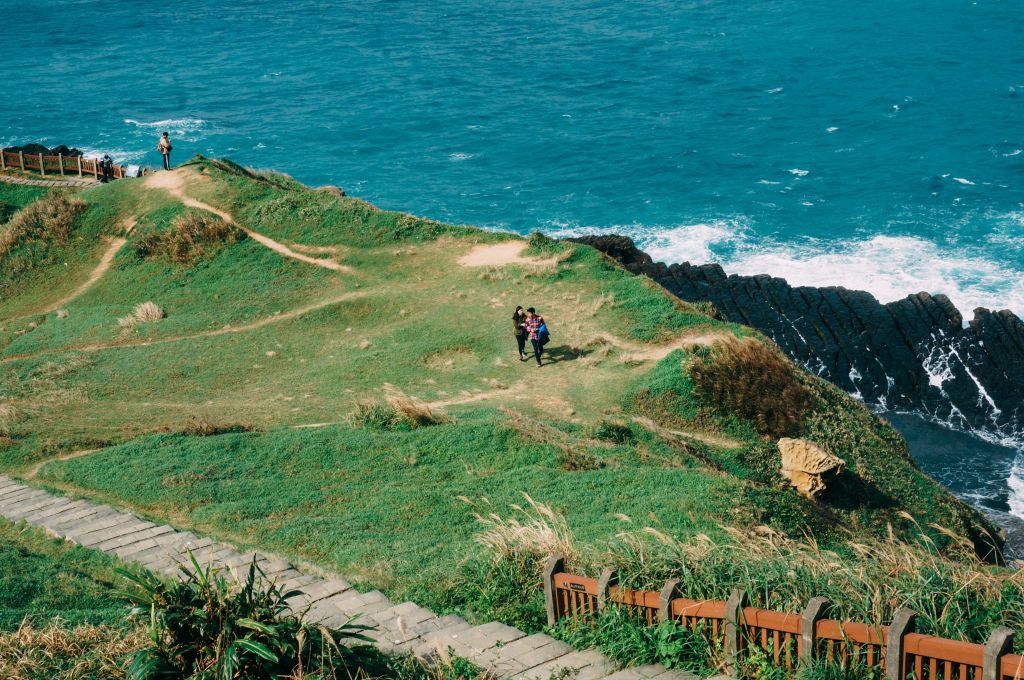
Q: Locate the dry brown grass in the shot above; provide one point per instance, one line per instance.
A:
(144, 312)
(528, 539)
(193, 236)
(50, 219)
(396, 411)
(60, 651)
(8, 416)
(748, 378)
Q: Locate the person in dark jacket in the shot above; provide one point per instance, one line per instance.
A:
(519, 330)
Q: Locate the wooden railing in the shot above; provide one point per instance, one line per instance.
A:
(789, 640)
(58, 165)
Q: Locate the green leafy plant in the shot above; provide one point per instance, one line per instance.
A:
(207, 627)
(619, 635)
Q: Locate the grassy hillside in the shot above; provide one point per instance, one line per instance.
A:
(330, 382)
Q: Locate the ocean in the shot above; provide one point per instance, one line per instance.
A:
(876, 145)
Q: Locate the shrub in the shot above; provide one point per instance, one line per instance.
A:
(208, 627)
(193, 236)
(748, 378)
(49, 221)
(198, 426)
(396, 411)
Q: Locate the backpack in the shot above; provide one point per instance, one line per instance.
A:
(542, 334)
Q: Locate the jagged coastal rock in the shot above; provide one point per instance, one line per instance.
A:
(46, 151)
(912, 354)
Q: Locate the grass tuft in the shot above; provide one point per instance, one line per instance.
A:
(396, 411)
(59, 650)
(144, 312)
(49, 220)
(196, 235)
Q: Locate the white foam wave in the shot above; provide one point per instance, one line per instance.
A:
(1016, 483)
(963, 181)
(180, 124)
(888, 267)
(116, 155)
(830, 130)
(689, 243)
(799, 173)
(456, 157)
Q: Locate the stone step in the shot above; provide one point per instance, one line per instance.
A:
(586, 665)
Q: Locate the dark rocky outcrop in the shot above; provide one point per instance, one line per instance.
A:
(37, 149)
(913, 354)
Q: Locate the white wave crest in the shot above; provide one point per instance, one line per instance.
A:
(799, 173)
(888, 267)
(179, 125)
(1016, 484)
(963, 181)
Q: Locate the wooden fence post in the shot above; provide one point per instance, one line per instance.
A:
(902, 623)
(3, 159)
(999, 643)
(555, 565)
(21, 160)
(734, 628)
(604, 584)
(669, 592)
(96, 168)
(79, 165)
(42, 168)
(60, 158)
(815, 611)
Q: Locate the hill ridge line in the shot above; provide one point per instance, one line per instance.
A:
(172, 183)
(404, 628)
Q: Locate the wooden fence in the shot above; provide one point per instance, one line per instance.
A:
(788, 640)
(58, 165)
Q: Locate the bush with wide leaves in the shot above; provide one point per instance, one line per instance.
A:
(210, 627)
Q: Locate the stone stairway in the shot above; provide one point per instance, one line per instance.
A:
(43, 182)
(404, 628)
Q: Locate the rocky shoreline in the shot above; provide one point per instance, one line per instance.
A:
(914, 354)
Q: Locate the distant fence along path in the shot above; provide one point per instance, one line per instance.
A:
(59, 165)
(788, 640)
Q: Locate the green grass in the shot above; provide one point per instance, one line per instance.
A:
(380, 504)
(42, 577)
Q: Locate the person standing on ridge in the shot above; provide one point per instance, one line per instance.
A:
(164, 147)
(519, 330)
(533, 324)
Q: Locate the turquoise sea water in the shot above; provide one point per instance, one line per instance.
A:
(877, 145)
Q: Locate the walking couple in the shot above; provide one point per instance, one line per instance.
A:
(530, 325)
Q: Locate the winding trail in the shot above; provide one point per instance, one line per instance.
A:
(637, 352)
(34, 470)
(227, 330)
(116, 243)
(173, 182)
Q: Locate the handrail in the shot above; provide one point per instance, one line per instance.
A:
(59, 164)
(787, 639)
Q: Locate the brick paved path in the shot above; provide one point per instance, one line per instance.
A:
(401, 628)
